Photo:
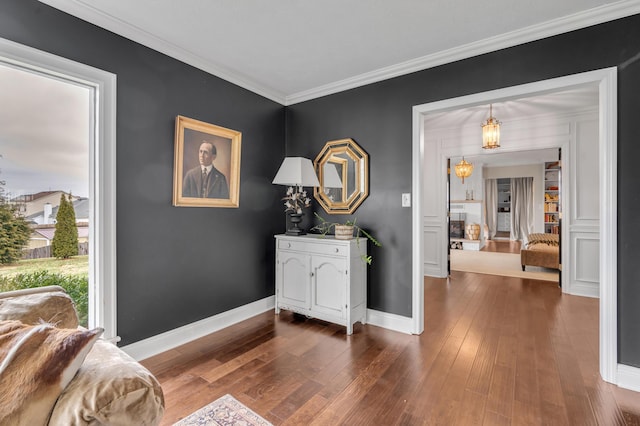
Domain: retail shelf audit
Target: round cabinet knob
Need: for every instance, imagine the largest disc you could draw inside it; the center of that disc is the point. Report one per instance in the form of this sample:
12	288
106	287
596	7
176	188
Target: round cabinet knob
337	250
288	245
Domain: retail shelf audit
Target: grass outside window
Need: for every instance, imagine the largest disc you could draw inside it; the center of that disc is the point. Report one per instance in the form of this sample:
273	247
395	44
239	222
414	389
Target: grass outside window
71	274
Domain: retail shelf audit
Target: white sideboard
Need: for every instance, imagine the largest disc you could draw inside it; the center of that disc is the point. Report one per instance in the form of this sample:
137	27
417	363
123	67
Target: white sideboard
504	222
321	277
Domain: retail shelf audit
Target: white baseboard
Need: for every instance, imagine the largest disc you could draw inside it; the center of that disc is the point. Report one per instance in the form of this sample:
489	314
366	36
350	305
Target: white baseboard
585	290
179	336
431	270
390	321
629	377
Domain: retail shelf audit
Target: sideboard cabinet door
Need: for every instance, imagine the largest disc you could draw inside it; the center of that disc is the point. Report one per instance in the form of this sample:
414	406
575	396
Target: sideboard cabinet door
328	285
293	286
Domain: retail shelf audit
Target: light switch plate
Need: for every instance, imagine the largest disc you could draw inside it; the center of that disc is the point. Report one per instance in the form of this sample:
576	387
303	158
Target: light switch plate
406	200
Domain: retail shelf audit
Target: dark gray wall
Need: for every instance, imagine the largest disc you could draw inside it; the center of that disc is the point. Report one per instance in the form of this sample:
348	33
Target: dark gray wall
176	265
162	283
378	117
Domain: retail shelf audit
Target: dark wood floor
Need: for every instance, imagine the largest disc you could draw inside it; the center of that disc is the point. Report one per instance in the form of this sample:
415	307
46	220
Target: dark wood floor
495	350
502	246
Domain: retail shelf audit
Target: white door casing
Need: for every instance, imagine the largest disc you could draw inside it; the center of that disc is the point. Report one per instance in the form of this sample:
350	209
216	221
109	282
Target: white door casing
430	220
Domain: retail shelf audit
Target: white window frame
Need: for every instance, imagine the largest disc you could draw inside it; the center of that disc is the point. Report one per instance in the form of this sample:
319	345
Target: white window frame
102	170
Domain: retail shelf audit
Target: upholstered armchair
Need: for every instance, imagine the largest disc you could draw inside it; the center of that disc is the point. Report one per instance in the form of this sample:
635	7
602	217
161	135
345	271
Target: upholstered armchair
57	373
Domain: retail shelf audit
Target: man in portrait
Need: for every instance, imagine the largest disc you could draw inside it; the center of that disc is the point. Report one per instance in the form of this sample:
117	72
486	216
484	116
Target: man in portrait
205	181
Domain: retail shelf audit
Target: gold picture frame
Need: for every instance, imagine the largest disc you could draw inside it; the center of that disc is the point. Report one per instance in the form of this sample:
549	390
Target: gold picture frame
201	145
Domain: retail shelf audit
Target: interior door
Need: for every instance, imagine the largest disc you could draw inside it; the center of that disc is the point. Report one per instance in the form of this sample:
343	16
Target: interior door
560	195
448	216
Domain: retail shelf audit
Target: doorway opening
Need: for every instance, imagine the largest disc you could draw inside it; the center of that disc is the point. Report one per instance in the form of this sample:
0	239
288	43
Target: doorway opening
430	216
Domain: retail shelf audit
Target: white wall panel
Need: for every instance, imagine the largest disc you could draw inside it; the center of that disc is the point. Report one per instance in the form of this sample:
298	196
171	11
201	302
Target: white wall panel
585	166
585	271
433	261
431	203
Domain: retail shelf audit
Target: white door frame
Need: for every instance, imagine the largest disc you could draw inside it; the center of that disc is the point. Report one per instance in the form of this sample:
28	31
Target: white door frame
606	79
102	170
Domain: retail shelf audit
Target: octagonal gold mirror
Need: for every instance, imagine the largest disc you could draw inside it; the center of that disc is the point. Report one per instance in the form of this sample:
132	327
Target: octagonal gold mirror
343	171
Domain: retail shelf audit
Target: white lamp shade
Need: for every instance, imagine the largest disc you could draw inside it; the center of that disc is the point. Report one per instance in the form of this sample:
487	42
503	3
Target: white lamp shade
296	171
330	177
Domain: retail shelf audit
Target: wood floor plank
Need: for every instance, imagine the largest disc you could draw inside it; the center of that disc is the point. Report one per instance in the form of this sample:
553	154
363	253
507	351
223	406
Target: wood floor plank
494	419
307	412
501	391
480	377
494	351
342	404
266	350
471	410
296	399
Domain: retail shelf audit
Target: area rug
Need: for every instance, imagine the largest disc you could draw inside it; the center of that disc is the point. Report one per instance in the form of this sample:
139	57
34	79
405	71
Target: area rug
504	264
224	411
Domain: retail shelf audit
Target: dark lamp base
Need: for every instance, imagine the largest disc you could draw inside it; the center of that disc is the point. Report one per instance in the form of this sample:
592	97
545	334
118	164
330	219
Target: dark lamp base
295	231
296	218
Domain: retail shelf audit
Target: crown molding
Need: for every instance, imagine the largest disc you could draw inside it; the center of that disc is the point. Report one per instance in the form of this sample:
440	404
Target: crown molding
597	15
554	27
80	9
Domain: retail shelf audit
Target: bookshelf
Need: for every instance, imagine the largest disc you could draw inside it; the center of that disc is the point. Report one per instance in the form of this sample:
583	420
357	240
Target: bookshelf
552	197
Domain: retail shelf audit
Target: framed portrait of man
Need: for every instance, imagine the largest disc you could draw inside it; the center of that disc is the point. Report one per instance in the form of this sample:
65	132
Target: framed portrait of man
206	169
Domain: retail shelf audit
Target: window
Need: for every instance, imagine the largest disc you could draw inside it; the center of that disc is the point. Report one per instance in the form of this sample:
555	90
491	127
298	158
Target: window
102	169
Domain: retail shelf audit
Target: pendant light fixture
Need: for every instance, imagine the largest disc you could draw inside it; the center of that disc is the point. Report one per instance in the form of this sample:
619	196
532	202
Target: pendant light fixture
463	169
491	131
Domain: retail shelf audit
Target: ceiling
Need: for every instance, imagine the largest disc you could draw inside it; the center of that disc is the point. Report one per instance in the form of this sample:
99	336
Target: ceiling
294	50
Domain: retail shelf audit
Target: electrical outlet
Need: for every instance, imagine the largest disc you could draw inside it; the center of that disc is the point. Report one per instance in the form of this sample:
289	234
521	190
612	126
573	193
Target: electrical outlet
406	200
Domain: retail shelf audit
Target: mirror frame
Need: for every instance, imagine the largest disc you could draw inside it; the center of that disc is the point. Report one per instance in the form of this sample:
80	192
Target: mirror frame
330	154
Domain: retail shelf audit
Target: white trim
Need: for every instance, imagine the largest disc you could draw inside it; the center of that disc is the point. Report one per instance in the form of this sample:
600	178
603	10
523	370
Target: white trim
597	15
607	80
417	244
584	290
163	342
97	17
629	377
390	321
102	170
608	225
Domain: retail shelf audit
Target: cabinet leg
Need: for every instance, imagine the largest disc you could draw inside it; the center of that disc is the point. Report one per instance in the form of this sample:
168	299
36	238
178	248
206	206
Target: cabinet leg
349	329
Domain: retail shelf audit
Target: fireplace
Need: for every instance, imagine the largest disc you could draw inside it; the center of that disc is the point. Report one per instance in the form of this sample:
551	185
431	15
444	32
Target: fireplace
456	225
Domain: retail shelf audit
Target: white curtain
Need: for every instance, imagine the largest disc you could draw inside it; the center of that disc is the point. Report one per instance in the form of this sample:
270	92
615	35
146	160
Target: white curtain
521	208
491	206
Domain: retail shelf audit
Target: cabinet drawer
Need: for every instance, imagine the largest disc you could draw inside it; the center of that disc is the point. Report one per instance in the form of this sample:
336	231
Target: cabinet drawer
310	247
